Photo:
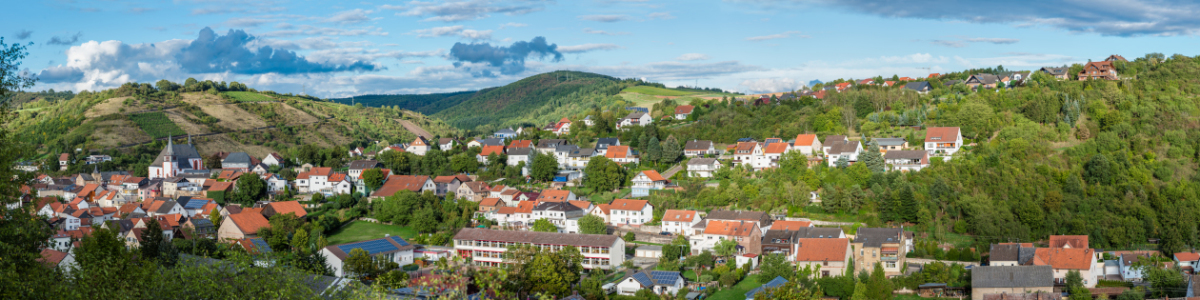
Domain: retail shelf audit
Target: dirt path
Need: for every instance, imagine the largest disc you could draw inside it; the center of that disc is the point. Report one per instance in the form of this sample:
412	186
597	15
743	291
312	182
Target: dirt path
415	129
671	172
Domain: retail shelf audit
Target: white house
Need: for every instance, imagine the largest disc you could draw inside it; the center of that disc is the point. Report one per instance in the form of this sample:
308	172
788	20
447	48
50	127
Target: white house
272	159
659	282
315	179
682	111
680	221
745	153
275	183
518	155
630	212
1188	261
621	154
419	146
1130	270
340	184
906	160
703	167
391	248
646	181
838	149
562	214
695	148
636	118
807	144
943	141
446	144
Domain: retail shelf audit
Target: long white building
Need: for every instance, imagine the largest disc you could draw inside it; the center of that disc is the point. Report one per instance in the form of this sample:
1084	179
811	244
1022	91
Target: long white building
486	247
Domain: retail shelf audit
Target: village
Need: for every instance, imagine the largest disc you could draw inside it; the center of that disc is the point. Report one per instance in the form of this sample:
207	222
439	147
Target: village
633	247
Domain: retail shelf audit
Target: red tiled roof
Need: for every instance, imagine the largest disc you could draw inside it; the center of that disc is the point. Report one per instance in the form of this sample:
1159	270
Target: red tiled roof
653	175
675	215
603	208
520	144
1187	256
945	134
64	157
933	75
822	249
776	148
526	207
732	228
249	222
617	152
554	195
507	210
488	150
627	204
338	177
221	186
283	207
684	109
395	183
1064	258
790	225
805	139
51	257
1074	241
581	204
489	202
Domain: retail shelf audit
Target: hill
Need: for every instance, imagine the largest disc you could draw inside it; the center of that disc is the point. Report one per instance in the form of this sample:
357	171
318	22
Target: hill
422	103
536	100
257	123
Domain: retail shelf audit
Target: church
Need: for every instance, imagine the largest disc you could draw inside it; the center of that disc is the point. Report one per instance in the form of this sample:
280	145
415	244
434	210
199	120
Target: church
176	159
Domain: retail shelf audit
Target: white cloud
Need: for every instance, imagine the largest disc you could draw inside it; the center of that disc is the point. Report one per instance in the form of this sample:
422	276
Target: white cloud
456	30
326	31
512	24
661	16
998	41
692	56
455	11
587	47
350	17
786	34
770	85
604	18
602	32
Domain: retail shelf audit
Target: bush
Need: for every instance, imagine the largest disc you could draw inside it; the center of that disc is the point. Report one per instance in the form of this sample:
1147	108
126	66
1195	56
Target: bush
410	268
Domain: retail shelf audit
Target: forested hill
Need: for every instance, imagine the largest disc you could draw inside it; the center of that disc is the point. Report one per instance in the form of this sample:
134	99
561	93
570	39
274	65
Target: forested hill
422	103
535	100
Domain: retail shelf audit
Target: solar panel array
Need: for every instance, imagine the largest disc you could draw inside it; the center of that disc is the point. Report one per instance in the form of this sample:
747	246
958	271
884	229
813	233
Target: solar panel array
372	247
398	240
195	204
261	245
641	278
665	277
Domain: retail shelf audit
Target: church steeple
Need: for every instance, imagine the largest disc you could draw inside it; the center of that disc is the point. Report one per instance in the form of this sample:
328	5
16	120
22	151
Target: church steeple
170	146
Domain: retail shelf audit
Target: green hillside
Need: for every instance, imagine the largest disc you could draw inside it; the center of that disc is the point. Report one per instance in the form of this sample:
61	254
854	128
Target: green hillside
422	103
536	100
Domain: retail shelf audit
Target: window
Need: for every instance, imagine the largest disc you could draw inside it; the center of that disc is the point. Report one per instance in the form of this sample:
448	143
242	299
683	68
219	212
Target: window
824	273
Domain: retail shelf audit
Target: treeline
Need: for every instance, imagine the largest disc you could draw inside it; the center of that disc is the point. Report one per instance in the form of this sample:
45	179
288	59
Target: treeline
422	103
519	102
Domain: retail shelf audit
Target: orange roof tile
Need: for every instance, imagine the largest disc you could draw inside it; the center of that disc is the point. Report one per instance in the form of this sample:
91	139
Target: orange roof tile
627	204
684	109
675	215
941	134
1074	241
805	139
1187	256
617	152
221	186
283	207
51	257
507	210
489	150
732	228
603	208
249	222
776	148
581	204
520	144
489	202
822	249
1064	258
653	175
554	195
396	183
526	207
339	177
790	225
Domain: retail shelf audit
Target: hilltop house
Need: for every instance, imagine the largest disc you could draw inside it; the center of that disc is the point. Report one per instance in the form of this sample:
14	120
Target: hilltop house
505	134
1103	70
836	150
636	118
647	181
808	144
696	148
943	140
906	160
1057	73
987	81
419	146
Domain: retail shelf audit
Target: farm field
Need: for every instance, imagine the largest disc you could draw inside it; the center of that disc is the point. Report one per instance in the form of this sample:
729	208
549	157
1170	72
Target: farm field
157	124
249	97
657	91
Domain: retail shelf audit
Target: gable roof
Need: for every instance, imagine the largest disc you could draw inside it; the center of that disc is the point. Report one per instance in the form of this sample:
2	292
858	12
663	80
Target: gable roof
697	145
249	222
805	140
51	257
1187	256
554	195
364	164
732	228
1012	276
520	144
627	204
810	249
391	244
653	175
776	148
684	109
1064	258
550	143
939	134
489	150
283	207
790	225
675	215
701	161
756	216
557	206
395	183
1073	241
918	86
489	202
618	152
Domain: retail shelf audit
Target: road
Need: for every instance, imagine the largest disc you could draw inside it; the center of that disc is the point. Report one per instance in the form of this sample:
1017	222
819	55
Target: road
671	172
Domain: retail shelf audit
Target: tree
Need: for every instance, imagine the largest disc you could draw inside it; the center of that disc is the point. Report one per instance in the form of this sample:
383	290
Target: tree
792	290
842	162
699	261
545	167
249	189
359	263
425	220
603	174
775	265
544	225
215	217
873	159
464	163
151	238
373	178
629	237
653	150
391	280
212	162
726	248
592	224
671	150
860	292
300	242
878	286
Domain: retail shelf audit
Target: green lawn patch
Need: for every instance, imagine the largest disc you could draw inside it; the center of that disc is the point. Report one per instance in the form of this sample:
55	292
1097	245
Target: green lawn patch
362	230
157	125
657	91
248	97
738	291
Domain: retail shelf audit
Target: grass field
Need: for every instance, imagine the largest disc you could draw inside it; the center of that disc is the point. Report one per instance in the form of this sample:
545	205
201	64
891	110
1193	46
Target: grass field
738	291
248	97
157	124
361	231
657	91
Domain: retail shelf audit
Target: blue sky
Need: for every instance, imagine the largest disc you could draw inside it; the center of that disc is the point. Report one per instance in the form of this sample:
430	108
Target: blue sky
334	48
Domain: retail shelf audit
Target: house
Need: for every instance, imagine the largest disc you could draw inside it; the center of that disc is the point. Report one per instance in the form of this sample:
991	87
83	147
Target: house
357	167
808	144
520	144
564	215
630	212
579	158
695	148
316	179
845	149
156	208
680	221
602	145
987	81
64	160
273	159
446	184
474	191
745	153
648	251
339	183
98	158
1188	261
636	118
242	225
867	81
516	156
488	205
388	249
396	183
240	161
1069	241
906	160
556	196
747	234
1131	267
486	247
842	86
547	146
488	151
56	259
774	283
1103	70
647	181
1114	57
1011	254
943	141
828	256
1064	260
992	280
505	134
621	154
886	144
284	207
562	127
1057	73
703	167
682	111
275	183
884	246
199	227
919	86
485	142
175	159
419	146
771	155
933	75
762	219
783	241
658	282
447	144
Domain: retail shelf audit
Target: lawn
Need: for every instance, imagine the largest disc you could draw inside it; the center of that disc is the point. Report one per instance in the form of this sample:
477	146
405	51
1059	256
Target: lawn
739	290
248	97
657	91
362	230
157	125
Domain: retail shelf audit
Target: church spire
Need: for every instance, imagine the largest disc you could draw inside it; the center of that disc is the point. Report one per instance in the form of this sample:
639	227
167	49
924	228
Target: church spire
189	139
170	146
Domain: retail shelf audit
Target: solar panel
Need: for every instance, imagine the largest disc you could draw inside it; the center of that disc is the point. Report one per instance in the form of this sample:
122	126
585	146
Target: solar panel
261	245
195	204
665	277
399	240
372	247
641	278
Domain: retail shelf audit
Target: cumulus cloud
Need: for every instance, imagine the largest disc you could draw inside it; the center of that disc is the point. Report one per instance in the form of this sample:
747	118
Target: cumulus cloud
456	30
770	85
1111	18
325	31
64	41
587	47
454	11
509	60
962	42
604	18
602	32
350	17
94	65
22	34
692	56
786	34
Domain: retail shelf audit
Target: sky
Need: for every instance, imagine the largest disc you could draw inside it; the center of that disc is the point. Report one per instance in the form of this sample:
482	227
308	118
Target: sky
344	48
